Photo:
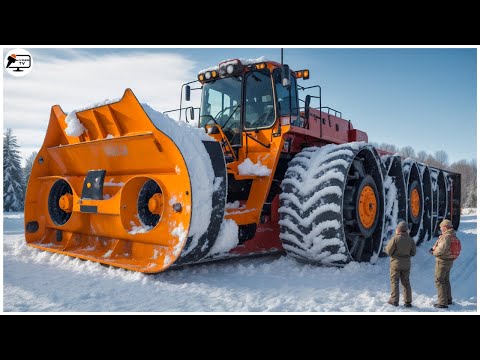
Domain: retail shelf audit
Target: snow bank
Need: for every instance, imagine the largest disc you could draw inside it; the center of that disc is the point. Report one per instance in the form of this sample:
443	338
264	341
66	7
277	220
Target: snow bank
247	167
36	280
227	238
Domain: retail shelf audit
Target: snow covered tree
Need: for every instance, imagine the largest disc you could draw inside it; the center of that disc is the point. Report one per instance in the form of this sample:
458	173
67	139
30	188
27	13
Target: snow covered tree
13	181
468	170
407	151
441	157
28	167
422	156
388	147
430	160
471	197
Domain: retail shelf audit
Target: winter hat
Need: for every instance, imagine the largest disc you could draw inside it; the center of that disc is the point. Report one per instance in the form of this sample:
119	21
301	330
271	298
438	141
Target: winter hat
446	223
402	226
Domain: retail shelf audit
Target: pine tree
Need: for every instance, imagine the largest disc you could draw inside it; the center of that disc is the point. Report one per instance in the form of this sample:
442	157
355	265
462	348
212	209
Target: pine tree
28	166
13	181
471	200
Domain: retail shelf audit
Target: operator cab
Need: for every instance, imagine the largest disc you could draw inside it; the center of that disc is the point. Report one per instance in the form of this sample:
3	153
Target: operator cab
246	98
221	105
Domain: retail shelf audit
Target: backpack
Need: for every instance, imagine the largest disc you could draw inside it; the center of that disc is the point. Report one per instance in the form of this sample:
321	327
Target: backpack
455	247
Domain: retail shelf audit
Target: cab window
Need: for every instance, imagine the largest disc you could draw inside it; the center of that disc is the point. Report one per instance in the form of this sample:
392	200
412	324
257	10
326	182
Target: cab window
282	93
259	104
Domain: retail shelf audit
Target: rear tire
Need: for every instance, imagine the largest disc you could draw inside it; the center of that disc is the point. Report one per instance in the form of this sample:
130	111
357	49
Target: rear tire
332	205
425	232
415	198
395	195
440	200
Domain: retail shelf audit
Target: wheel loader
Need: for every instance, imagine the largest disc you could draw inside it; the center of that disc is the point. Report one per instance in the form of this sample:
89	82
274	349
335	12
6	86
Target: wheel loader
264	171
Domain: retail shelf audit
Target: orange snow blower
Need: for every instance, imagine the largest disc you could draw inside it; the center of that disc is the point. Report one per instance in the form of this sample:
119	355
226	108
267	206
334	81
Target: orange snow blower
264	171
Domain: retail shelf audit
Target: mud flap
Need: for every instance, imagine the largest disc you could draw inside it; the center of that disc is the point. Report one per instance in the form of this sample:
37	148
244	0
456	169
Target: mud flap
207	240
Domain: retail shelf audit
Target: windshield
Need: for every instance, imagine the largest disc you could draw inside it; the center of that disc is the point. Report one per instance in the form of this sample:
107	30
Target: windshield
259	109
221	102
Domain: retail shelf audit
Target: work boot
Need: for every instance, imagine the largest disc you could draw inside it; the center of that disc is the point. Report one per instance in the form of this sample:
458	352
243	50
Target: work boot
440	306
408	305
450	302
391	302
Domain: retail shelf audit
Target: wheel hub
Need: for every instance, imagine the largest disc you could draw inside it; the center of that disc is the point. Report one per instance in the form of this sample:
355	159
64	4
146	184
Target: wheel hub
66	202
415	203
367	206
155	204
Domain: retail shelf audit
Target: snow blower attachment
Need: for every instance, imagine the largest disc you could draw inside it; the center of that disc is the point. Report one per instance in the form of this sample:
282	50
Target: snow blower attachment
124	185
120	193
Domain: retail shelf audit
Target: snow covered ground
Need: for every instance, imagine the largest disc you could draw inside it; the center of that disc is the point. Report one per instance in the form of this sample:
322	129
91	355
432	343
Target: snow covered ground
40	281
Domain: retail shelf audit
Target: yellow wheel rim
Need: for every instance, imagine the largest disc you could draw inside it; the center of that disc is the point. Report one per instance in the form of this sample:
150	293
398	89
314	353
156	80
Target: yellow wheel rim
367	207
415	203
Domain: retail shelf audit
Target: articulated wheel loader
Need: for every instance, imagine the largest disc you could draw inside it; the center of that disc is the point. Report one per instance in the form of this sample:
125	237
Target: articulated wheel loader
263	172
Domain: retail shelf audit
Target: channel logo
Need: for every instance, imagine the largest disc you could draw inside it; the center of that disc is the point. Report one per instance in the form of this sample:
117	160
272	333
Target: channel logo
18	62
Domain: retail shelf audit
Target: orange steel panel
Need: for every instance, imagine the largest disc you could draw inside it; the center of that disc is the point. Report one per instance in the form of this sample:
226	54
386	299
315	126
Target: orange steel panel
137	153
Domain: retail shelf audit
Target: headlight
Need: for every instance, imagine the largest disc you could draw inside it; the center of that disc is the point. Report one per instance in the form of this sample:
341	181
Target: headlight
230	67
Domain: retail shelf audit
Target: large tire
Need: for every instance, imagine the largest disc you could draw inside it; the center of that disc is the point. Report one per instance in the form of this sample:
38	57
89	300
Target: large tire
323	194
415	200
425	232
395	196
440	199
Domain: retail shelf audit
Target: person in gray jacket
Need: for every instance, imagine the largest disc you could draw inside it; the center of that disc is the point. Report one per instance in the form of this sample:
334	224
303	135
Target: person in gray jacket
400	248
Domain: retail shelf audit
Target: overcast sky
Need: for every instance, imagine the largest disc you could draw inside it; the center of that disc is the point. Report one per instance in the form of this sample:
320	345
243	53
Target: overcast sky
425	98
